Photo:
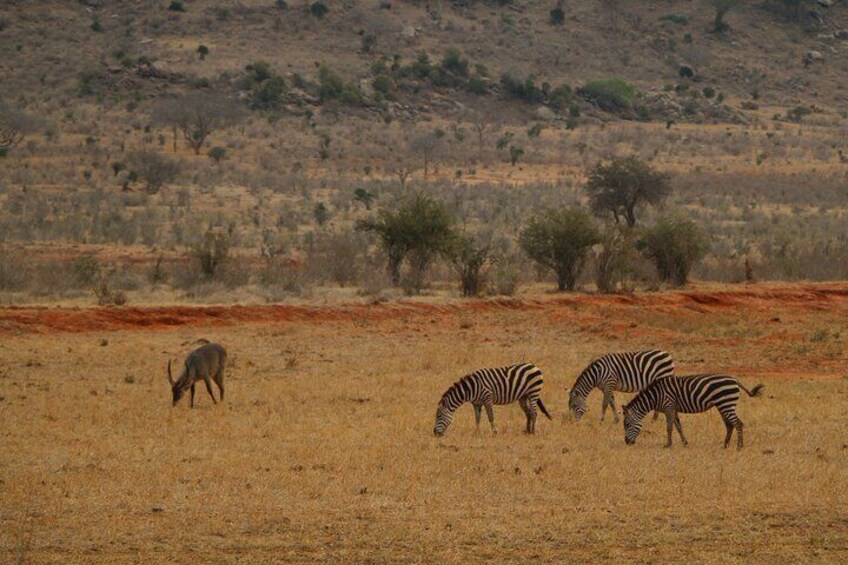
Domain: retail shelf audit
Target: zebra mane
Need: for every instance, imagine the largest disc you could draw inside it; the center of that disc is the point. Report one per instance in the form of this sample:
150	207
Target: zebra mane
455	391
587	379
646	400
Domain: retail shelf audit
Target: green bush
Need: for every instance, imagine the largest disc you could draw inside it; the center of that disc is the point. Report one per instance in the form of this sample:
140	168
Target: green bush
611	94
318	9
674	246
560	97
559	240
678	19
176	6
556	16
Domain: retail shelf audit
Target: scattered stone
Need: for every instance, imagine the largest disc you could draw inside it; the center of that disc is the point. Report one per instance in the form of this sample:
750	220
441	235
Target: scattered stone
841	34
544	113
811	57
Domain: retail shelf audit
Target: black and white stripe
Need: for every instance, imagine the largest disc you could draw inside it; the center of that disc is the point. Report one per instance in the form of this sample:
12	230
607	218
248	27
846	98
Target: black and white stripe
687	395
486	387
624	372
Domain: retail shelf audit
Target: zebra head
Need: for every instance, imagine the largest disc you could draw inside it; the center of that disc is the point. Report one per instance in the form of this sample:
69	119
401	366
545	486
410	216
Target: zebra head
632	425
576	404
444	417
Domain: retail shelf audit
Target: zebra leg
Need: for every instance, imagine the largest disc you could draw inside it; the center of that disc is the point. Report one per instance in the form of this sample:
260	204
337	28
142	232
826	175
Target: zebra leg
739	427
612	405
477	417
680	430
531	415
731	422
491	414
604	403
670	416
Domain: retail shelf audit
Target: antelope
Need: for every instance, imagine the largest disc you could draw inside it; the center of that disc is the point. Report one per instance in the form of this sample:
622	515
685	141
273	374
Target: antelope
205	362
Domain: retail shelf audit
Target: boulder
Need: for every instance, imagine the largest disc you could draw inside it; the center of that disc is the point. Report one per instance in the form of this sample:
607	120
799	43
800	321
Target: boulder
841	34
544	113
812	57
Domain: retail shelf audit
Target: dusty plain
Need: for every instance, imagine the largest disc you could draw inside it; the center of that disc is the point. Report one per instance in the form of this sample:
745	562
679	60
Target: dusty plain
323	448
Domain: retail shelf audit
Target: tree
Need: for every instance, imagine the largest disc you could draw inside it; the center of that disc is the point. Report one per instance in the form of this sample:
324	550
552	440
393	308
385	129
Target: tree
426	144
14	125
674	246
468	258
514	154
722	7
416	231
154	169
365	196
213	249
623	185
559	240
197	115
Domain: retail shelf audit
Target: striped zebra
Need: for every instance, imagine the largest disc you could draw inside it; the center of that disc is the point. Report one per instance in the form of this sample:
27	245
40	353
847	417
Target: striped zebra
624	372
688	395
485	387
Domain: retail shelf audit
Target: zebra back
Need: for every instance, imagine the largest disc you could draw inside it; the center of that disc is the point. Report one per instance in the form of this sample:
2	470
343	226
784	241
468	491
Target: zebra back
503	384
629	372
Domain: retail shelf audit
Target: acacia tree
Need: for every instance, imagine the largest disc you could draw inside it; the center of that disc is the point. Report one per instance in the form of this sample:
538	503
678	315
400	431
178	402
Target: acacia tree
560	239
196	115
427	144
623	185
416	232
674	246
154	169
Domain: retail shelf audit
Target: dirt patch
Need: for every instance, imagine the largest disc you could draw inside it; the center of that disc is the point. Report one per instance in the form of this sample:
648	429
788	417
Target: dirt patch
588	308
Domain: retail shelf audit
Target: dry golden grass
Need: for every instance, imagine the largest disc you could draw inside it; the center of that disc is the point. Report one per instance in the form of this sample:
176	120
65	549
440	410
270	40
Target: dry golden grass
323	449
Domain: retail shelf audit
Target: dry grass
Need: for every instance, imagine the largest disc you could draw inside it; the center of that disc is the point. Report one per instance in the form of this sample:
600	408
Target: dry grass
332	457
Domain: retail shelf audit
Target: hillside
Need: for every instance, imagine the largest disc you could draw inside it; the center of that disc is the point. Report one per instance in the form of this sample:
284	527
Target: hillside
489	107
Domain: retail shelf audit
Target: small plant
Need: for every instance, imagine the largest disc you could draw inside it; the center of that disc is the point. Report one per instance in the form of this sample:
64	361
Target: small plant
176	6
612	94
217	154
708	92
96	26
202	51
677	19
318	9
321	213
797	114
556	17
368	42
515	153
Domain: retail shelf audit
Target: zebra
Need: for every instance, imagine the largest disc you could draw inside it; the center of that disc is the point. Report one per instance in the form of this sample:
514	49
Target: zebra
688	395
486	387
625	372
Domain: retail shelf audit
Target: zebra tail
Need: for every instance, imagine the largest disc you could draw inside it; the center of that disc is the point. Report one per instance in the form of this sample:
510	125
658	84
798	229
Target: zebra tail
754	391
543	409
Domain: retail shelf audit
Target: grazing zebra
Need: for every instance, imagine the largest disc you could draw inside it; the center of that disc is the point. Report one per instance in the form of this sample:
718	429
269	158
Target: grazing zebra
687	395
486	387
624	372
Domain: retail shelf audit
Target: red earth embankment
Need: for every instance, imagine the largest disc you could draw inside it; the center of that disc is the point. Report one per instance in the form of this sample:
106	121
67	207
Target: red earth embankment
753	298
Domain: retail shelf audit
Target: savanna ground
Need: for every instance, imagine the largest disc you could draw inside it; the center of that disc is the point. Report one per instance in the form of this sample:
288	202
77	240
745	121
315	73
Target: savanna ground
323	449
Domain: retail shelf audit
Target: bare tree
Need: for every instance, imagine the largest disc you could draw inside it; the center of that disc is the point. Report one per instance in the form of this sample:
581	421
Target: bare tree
14	125
402	172
480	128
196	115
426	144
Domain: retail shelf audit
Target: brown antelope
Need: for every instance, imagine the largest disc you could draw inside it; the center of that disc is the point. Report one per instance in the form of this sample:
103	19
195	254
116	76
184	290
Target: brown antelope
206	362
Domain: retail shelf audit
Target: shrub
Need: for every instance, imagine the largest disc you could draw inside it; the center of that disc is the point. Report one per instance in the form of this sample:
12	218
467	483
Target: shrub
385	85
453	62
217	154
674	246
613	259
560	97
797	113
468	258
86	270
708	92
212	250
559	240
202	51
155	169
176	6
612	94
515	153
522	89
415	232
318	9
556	16
678	19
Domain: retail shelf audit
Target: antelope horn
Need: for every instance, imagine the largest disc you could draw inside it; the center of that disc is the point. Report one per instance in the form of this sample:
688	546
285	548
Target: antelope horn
170	378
